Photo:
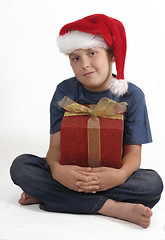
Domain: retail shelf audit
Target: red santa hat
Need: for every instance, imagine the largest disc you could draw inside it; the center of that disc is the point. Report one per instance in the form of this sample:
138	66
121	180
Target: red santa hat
98	30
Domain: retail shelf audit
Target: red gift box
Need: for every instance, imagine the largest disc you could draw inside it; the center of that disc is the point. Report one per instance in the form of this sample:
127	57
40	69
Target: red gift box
78	148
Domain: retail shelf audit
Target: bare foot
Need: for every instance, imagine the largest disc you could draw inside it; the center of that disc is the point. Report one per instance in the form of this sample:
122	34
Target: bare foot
27	199
135	213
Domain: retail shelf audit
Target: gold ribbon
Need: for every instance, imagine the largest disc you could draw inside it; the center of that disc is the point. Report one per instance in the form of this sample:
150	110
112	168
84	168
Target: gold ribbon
105	108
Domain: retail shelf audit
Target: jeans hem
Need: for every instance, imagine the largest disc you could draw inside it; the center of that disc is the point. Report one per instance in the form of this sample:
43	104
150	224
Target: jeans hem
99	204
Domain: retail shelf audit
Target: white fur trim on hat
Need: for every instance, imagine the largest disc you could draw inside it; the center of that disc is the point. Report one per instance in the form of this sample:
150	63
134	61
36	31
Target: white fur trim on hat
118	86
75	40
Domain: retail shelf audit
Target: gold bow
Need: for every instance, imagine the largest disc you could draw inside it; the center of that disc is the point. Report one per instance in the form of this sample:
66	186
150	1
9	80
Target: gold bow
105	108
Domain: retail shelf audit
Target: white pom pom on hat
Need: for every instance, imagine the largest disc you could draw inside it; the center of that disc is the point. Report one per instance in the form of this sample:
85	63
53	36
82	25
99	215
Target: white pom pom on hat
98	30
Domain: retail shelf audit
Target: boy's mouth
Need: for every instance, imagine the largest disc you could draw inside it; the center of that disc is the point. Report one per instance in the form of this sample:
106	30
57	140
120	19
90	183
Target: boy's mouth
88	74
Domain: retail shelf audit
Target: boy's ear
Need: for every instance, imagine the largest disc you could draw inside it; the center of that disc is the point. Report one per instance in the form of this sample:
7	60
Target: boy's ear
113	58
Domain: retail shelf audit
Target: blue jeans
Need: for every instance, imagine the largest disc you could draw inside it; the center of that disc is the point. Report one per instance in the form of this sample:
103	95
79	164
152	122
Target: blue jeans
33	175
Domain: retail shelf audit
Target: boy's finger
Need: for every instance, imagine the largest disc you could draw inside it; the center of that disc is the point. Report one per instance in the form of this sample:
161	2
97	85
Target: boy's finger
98	169
85	169
91	183
87	173
85	177
88	189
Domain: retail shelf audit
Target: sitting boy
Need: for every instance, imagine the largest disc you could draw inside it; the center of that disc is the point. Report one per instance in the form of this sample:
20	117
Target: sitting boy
93	44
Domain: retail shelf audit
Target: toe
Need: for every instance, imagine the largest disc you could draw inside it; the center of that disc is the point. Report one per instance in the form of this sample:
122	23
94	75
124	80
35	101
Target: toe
147	212
146	223
25	199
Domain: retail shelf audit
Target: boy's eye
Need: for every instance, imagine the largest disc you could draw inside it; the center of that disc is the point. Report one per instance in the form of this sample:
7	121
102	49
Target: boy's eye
92	53
75	59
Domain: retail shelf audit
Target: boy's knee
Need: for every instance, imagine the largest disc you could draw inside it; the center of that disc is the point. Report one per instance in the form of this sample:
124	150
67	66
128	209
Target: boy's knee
148	183
155	183
16	169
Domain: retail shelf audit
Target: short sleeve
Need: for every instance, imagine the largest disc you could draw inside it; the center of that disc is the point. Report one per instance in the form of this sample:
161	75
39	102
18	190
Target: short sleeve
136	126
65	88
56	112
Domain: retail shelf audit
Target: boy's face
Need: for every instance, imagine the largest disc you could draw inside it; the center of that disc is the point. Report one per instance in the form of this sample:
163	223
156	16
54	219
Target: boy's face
92	68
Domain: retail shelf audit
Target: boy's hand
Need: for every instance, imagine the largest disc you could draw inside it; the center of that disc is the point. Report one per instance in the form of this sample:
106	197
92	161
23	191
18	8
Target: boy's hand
107	178
70	176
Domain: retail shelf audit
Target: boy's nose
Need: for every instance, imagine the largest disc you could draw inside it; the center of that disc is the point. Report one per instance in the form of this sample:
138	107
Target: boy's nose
85	64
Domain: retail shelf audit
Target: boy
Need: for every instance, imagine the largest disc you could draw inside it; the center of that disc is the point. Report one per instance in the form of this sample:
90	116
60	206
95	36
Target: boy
93	44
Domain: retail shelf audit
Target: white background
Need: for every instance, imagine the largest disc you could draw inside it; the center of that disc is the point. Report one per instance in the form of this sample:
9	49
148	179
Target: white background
30	69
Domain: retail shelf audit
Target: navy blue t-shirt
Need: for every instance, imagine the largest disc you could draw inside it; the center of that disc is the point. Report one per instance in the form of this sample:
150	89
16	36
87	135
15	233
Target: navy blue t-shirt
136	123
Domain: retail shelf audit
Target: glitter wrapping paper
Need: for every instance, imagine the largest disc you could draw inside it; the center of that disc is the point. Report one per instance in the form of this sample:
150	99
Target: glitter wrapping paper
74	141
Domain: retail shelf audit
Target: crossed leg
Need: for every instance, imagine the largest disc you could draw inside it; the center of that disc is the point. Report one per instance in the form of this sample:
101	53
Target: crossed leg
135	213
36	184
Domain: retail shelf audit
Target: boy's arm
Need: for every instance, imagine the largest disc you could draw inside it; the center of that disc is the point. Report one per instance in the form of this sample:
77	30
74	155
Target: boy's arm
67	175
131	160
111	177
53	155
